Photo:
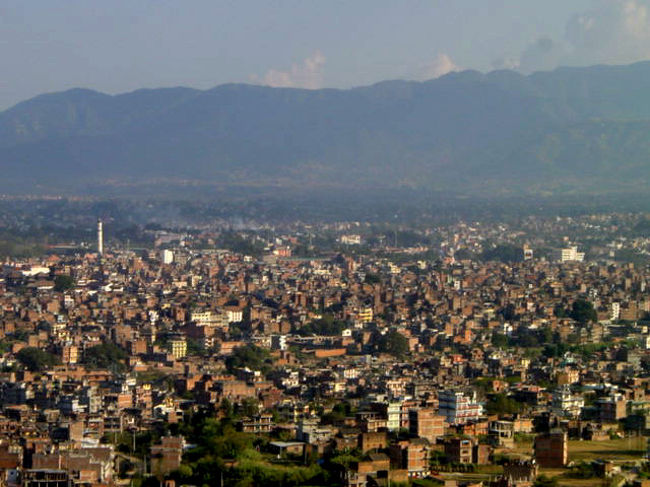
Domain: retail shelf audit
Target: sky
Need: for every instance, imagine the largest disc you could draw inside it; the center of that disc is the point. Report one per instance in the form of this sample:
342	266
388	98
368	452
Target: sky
121	45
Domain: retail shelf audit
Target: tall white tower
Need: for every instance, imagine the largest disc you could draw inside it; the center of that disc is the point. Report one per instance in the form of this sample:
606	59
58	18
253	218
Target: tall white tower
100	237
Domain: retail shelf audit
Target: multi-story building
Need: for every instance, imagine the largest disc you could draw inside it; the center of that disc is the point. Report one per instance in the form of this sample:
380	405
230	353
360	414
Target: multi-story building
458	407
365	315
502	433
551	449
260	423
425	423
70	354
571	254
466	450
46	478
178	347
612	408
166	456
411	455
392	412
278	342
565	403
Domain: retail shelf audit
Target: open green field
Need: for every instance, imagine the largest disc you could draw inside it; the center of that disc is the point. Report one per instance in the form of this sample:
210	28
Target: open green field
623	449
619	451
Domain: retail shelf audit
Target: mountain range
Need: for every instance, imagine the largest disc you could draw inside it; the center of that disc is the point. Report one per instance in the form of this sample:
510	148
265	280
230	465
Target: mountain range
571	130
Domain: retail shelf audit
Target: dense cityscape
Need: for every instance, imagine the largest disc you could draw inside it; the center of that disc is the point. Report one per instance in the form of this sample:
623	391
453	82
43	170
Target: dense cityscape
300	243
509	353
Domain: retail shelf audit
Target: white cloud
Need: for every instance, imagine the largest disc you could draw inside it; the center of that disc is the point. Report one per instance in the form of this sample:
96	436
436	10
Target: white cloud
543	54
440	66
610	32
308	74
506	63
613	31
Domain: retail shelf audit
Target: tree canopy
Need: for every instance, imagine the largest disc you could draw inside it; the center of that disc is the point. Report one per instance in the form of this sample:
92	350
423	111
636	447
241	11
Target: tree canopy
583	311
217	441
251	356
105	356
504	253
393	343
327	326
36	360
502	404
63	282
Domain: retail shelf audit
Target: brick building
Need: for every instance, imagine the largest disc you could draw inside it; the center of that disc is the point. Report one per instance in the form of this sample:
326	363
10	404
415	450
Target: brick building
551	449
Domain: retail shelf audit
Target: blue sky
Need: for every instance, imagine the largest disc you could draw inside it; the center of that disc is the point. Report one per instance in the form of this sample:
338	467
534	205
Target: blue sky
121	45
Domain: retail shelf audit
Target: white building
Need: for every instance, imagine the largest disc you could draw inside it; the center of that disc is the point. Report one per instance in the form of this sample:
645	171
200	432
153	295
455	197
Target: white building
528	252
350	239
394	416
567	404
205	317
167	256
571	254
235	315
35	270
278	342
458	407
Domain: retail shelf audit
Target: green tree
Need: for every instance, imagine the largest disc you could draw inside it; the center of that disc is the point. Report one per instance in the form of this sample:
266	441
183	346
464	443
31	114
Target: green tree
249	406
583	311
227	408
195	348
502	404
559	311
505	253
393	343
326	326
105	356
251	356
499	340
372	278
63	282
36	360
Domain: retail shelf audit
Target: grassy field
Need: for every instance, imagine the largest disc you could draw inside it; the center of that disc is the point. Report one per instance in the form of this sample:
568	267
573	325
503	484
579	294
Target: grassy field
619	451
623	449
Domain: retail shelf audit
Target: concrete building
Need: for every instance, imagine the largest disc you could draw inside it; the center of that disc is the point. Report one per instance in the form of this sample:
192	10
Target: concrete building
167	257
278	342
178	347
46	478
502	433
565	403
458	407
612	408
571	254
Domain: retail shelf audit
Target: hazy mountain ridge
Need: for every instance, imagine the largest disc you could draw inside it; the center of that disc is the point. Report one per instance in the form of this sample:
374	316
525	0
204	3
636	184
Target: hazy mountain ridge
587	127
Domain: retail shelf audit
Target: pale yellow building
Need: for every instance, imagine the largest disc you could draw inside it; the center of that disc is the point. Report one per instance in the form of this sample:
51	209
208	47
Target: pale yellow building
179	348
